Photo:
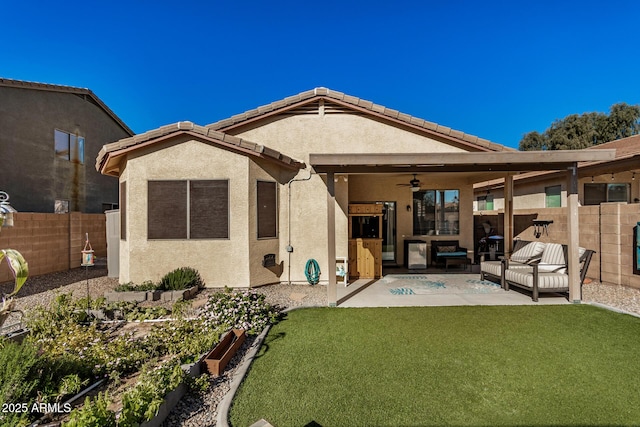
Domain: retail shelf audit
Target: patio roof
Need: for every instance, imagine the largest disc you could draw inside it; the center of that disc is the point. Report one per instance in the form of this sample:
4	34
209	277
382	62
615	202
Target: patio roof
519	161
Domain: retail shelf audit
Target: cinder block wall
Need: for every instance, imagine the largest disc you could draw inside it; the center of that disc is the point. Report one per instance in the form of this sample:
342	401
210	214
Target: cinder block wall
617	224
606	229
52	242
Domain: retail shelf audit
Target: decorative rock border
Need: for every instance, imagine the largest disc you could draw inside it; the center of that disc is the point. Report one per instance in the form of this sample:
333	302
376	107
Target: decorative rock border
141	296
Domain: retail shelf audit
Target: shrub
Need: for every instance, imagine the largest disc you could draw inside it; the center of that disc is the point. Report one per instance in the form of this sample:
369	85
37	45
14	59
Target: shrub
18	382
141	403
94	413
181	278
147	285
240	309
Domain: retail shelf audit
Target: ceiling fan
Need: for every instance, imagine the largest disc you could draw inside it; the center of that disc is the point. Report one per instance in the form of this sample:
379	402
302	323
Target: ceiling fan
414	184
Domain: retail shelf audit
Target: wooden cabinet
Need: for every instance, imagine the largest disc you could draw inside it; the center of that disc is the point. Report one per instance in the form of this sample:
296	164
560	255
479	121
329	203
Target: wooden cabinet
365	209
365	242
365	258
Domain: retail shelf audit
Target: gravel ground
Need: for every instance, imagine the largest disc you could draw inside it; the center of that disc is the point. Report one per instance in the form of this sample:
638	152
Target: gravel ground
196	410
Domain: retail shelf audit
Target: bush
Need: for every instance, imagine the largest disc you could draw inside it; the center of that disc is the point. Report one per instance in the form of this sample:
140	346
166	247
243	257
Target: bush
18	380
240	309
147	285
94	413
181	278
141	403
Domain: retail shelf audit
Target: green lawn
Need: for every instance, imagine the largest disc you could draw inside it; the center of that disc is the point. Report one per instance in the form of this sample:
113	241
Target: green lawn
572	365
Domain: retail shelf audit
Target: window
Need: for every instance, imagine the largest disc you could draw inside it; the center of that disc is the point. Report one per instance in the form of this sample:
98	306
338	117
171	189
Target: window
267	209
123	210
597	193
485	203
188	209
61	206
69	146
552	197
436	212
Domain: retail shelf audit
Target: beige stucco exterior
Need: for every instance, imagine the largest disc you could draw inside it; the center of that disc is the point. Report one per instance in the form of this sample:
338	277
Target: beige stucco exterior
530	193
221	262
326	150
298	136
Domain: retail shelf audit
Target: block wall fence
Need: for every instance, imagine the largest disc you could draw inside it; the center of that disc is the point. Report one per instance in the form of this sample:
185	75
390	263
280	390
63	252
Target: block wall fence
606	229
52	242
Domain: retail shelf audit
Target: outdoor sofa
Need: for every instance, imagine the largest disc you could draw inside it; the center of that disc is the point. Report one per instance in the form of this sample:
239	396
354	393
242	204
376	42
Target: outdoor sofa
441	250
549	274
525	253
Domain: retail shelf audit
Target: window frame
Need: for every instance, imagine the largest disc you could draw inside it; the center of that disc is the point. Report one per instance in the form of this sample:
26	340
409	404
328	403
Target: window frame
485	201
275	210
185	216
603	190
439	228
73	149
123	210
552	197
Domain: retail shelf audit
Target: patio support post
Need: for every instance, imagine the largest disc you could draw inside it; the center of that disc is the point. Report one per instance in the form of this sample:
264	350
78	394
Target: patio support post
332	288
575	291
508	214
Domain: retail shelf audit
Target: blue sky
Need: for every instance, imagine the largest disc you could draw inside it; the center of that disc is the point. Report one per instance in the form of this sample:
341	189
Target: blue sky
494	69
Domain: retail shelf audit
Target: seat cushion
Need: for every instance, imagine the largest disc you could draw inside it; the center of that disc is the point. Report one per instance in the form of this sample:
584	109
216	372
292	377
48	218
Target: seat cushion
546	280
529	253
452	254
495	267
553	259
491	267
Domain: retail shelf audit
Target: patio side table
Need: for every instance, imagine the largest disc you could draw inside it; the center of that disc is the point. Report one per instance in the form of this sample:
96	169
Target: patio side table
464	261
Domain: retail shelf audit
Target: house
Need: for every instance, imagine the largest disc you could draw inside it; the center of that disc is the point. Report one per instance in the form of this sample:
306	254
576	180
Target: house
609	195
48	136
320	176
598	182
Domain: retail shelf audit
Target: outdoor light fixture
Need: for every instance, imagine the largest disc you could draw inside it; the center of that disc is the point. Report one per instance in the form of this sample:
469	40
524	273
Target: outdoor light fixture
612	177
540	226
592	179
633	176
6	210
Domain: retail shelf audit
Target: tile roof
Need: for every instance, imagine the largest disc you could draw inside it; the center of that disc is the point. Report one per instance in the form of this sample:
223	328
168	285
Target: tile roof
119	147
360	104
66	89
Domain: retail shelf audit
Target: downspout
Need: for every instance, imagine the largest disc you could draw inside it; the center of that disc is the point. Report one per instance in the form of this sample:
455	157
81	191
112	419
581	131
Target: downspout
289	247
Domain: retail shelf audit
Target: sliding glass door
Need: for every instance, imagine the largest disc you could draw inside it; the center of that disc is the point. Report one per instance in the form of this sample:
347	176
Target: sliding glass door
389	237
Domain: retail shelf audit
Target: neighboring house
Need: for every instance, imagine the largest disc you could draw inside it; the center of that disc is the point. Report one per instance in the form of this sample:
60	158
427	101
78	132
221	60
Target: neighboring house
616	180
249	200
49	136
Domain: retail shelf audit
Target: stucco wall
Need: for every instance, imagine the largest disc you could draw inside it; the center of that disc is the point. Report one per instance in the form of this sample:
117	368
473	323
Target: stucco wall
384	188
258	248
531	194
31	173
223	262
298	136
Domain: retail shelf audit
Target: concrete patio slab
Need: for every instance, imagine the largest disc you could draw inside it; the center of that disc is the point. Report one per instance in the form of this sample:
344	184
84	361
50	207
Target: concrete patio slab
377	294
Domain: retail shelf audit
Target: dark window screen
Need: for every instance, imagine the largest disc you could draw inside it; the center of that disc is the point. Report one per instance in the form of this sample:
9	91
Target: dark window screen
267	210
209	209
167	210
123	210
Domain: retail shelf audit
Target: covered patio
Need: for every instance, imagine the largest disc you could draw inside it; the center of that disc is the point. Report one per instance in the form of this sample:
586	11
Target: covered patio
473	167
434	289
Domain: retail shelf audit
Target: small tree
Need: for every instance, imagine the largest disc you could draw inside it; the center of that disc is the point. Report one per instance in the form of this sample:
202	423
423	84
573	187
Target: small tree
20	270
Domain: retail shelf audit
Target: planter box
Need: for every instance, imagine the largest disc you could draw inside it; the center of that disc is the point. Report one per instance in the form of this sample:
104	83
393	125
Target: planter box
170	401
137	296
219	357
180	295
